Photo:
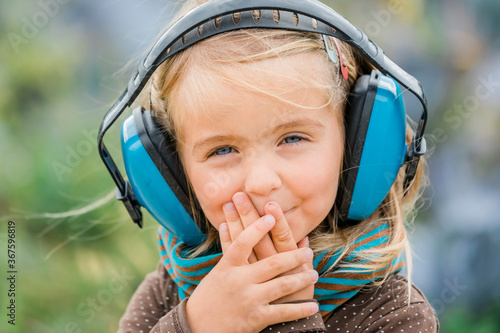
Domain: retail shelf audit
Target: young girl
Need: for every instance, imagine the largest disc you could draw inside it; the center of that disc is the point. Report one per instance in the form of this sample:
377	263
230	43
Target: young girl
258	118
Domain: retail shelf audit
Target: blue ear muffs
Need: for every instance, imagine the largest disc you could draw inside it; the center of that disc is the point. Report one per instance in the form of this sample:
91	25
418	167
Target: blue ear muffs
375	146
155	174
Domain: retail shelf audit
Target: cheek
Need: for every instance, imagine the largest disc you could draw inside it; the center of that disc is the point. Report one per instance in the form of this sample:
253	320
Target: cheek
320	190
318	185
212	189
323	167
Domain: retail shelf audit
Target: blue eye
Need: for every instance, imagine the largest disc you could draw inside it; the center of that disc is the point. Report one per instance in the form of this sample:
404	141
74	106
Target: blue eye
223	151
292	139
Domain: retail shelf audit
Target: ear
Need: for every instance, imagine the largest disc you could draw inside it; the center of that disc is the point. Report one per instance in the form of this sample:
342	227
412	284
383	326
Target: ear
375	146
156	175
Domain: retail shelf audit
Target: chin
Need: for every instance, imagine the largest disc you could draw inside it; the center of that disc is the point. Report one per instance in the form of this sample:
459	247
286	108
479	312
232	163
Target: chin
298	233
300	229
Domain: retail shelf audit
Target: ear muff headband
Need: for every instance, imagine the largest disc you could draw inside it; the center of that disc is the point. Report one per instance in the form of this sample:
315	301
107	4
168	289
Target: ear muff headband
215	17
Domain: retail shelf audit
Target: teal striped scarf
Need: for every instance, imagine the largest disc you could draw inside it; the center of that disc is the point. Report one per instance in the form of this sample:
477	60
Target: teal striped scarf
334	287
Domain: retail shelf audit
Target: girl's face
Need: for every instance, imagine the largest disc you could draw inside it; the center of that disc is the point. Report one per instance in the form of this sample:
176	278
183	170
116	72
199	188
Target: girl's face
268	148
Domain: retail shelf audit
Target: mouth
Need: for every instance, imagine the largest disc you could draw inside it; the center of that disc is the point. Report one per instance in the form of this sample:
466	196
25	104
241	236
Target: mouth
285	212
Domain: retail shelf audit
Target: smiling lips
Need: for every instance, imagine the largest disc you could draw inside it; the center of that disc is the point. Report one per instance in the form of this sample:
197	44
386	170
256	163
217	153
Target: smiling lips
285	211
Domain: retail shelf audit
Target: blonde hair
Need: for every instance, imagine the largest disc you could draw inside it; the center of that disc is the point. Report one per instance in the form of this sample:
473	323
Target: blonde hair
180	86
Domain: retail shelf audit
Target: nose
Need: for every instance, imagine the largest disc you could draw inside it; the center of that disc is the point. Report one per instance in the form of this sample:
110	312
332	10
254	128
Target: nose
262	176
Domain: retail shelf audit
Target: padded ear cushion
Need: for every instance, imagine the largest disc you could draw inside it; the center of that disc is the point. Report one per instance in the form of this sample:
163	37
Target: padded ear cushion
161	147
156	177
357	118
375	146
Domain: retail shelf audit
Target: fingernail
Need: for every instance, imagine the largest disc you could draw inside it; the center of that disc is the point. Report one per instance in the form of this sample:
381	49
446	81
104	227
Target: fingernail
271	206
223	227
309	253
239	198
314	308
228	206
269	219
314	275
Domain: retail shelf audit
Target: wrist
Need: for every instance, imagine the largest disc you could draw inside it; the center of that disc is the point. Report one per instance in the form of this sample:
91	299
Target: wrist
192	317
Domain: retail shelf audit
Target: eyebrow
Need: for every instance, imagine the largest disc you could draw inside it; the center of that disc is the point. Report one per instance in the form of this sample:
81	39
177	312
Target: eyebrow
214	140
306	123
303	123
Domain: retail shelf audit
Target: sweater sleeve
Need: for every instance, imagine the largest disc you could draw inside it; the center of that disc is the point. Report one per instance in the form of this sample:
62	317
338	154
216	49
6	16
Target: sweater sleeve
312	324
155	307
174	322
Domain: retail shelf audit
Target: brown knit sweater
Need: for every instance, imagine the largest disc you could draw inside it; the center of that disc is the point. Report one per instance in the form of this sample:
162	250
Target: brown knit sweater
156	307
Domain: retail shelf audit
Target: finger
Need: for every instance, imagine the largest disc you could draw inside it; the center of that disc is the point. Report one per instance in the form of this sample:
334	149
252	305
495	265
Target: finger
280	313
281	233
304	242
271	267
235	225
248	215
233	219
288	284
225	237
241	247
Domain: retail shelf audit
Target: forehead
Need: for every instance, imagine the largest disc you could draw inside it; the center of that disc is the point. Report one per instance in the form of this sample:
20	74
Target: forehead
208	89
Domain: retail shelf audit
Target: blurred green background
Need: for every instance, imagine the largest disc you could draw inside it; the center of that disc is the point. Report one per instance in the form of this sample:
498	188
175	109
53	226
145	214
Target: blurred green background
62	65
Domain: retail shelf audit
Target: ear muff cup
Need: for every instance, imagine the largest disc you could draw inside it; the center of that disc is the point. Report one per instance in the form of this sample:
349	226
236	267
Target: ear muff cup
375	146
156	176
